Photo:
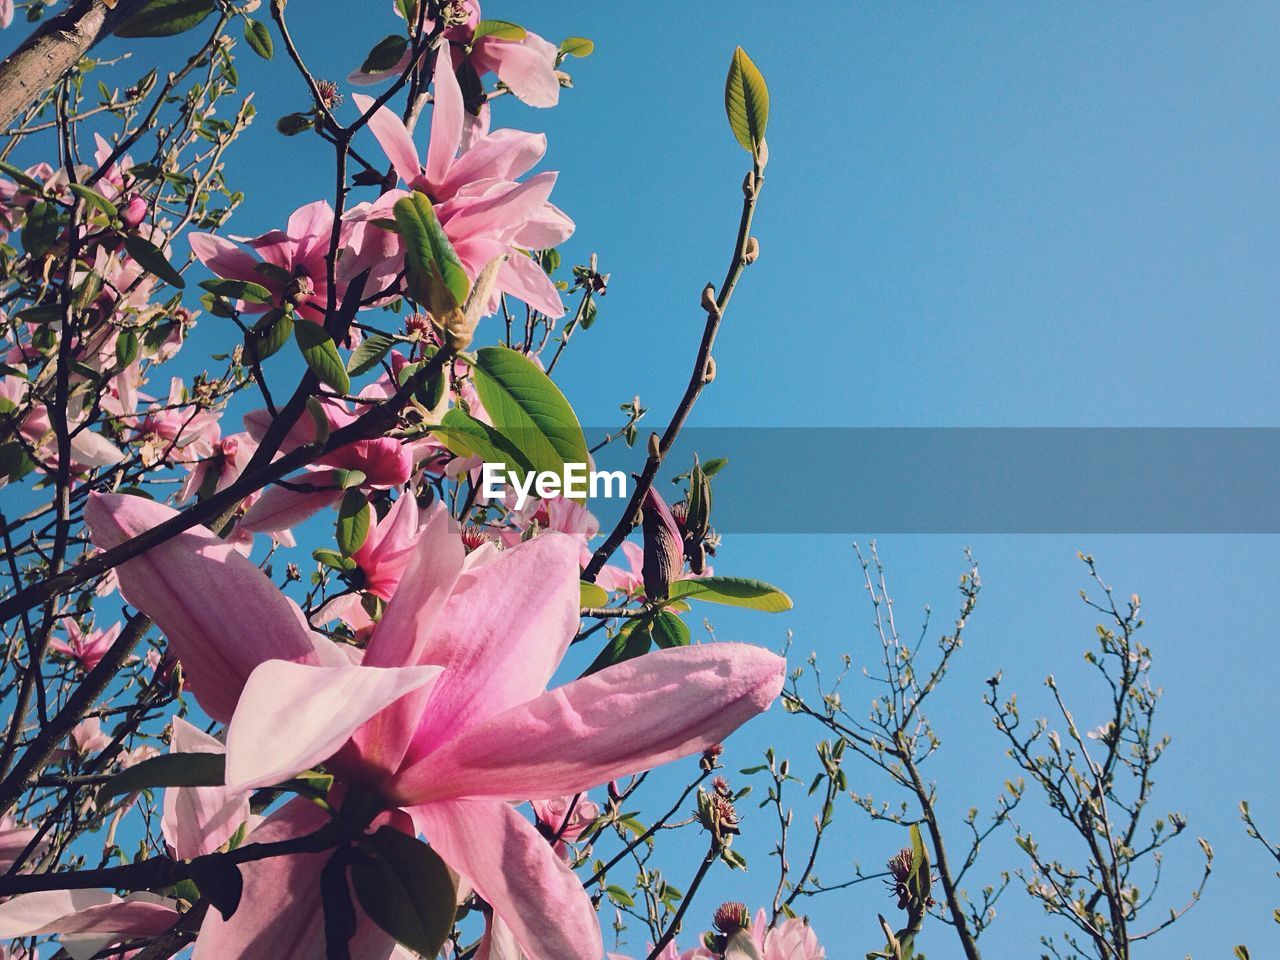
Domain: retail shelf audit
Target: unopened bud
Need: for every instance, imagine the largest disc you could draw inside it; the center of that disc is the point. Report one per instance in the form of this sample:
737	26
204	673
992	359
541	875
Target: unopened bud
751	253
709	300
709	374
762	154
663	547
133	212
749	184
655	446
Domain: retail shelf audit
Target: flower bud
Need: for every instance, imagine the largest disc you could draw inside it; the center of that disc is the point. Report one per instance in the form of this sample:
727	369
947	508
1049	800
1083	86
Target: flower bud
133	212
751	253
709	300
663	547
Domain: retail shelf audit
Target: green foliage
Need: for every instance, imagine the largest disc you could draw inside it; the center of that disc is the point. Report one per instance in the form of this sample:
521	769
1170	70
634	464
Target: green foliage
746	101
354	518
528	409
164	18
258	37
152	259
168	770
499	30
321	355
406	889
733	592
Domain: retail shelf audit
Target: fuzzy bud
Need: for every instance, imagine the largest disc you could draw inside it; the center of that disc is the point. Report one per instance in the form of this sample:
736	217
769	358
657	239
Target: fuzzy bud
709	300
751	253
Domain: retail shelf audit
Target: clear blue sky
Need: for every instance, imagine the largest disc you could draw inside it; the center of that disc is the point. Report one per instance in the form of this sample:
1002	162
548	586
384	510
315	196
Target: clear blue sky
975	215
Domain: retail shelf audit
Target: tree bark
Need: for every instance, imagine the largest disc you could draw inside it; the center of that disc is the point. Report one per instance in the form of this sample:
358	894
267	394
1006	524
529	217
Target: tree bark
55	47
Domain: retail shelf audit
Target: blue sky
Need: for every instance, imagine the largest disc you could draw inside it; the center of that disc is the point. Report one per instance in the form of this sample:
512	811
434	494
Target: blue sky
975	215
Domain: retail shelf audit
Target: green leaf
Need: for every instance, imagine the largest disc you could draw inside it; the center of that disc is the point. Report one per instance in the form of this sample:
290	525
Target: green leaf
714	466
499	30
633	640
272	331
366	356
152	260
126	348
164	18
292	124
354	515
746	101
321	354
40	232
733	592
1241	952
333	560
426	245
465	436
386	53
258	37
14	462
168	770
406	889
245	290
589	595
528	409
577	47
669	631
94	199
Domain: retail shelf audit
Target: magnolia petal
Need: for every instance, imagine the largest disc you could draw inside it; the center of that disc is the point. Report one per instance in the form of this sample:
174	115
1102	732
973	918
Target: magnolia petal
502	155
447	116
30	913
222	615
394	138
629	717
280	508
525	280
199	820
501	636
292	716
528	68
223	257
513	867
402	635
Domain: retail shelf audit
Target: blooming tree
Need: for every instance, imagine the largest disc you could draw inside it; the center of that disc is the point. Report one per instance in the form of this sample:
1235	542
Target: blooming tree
377	752
284	679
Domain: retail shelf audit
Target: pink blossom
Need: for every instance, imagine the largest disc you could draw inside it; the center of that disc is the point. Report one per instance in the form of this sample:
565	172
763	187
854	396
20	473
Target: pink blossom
485	212
6	13
223	466
447	718
527	66
177	431
88	737
85	649
792	939
565	819
384	461
290	262
91	920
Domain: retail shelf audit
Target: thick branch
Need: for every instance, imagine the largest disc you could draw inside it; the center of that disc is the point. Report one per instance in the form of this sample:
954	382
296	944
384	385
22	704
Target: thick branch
53	49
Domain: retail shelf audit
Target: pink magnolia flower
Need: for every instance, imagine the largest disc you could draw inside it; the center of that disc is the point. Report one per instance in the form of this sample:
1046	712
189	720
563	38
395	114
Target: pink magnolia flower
447	719
792	939
6	13
85	649
88	921
88	737
484	211
527	66
564	820
384	461
223	466
628	579
290	262
177	431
